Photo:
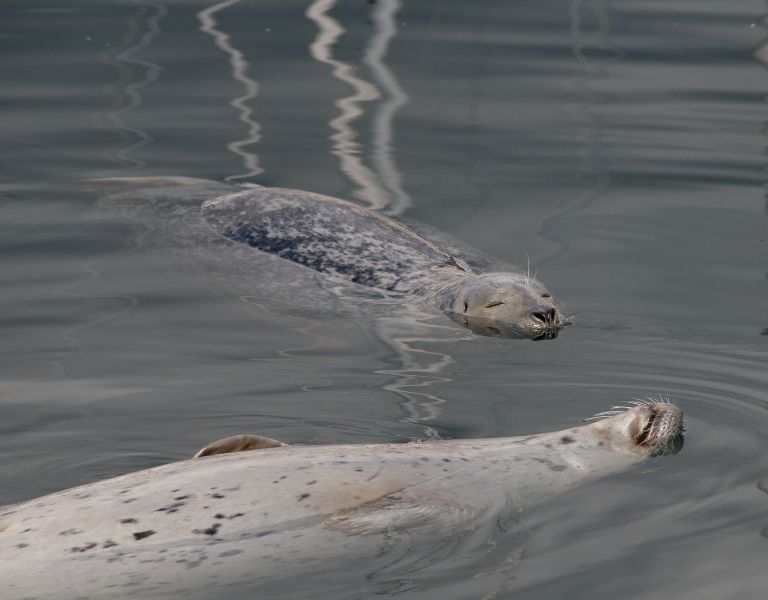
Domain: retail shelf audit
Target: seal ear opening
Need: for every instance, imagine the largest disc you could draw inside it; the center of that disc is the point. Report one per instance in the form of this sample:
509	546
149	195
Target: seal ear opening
238	443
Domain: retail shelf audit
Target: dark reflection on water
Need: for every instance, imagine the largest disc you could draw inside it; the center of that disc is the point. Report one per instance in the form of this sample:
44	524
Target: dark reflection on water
617	145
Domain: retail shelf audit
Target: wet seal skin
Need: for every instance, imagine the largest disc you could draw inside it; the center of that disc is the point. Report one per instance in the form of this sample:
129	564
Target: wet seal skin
347	241
250	509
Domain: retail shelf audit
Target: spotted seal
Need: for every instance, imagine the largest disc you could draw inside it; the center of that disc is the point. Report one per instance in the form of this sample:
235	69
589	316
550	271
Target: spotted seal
245	518
362	246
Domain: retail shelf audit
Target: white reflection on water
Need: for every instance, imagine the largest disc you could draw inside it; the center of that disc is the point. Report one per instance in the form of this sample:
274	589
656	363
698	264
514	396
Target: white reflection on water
239	65
372	185
142	27
416	341
385	28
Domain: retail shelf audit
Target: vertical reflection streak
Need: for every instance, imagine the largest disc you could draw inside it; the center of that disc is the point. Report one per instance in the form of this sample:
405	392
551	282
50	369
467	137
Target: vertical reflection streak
384	22
239	66
123	59
345	146
421	369
590	69
761	55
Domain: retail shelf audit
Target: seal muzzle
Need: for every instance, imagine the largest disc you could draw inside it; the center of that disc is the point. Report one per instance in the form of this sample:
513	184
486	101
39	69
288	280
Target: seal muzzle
662	430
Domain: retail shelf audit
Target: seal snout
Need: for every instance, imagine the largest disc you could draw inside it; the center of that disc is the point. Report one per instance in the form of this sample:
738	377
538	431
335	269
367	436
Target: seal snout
662	430
547	321
545	315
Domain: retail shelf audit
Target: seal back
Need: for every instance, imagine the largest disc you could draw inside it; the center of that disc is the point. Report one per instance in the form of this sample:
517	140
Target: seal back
328	235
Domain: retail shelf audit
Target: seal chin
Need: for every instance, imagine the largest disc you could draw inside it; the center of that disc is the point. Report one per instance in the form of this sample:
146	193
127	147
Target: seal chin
525	329
506	330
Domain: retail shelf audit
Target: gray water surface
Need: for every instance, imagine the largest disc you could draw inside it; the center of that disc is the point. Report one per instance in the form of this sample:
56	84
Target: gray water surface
616	147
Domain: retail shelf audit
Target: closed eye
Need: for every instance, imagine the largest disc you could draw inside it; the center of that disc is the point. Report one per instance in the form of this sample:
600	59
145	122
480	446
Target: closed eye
492	304
546	295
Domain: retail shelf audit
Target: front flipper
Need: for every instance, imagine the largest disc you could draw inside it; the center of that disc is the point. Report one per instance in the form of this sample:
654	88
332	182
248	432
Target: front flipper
238	443
401	511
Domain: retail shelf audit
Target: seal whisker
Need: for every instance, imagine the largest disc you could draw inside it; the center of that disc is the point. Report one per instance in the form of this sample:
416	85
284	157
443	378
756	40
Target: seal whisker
528	270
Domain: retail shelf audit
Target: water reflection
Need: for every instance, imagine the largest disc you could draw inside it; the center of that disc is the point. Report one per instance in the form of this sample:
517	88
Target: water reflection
142	26
761	54
385	28
422	363
593	51
346	147
239	72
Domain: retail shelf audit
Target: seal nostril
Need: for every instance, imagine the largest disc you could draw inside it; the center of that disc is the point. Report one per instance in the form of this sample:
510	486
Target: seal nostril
546	315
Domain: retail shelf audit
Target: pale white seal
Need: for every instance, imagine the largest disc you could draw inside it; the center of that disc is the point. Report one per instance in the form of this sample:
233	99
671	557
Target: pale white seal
241	519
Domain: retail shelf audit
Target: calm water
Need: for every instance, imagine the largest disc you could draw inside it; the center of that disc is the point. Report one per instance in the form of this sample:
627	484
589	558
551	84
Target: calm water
617	146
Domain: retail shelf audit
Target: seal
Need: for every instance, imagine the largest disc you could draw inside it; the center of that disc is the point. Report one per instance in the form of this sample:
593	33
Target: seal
241	520
361	246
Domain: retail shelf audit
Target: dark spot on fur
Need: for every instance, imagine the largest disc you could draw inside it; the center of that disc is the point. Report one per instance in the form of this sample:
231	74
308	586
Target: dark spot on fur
181	497
129	520
263	533
84	547
21	546
223	516
70	531
172	508
567	439
109	544
313	482
217	495
446	460
140	535
304	496
208	531
359	470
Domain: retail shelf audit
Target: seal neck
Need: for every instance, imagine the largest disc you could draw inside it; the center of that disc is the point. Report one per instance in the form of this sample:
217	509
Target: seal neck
438	285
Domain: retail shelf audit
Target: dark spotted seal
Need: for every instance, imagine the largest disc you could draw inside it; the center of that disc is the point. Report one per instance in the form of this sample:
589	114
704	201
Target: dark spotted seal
342	239
245	519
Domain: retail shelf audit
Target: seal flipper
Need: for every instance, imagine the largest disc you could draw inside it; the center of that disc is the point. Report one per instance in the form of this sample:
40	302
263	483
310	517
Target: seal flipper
397	511
238	443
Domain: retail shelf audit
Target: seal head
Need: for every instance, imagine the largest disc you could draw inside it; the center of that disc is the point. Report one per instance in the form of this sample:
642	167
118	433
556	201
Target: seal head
505	304
652	427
